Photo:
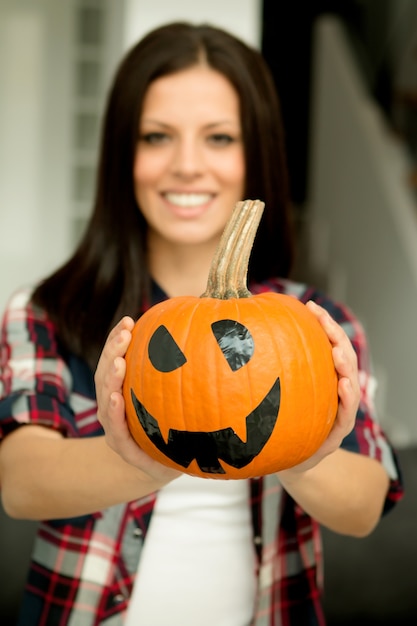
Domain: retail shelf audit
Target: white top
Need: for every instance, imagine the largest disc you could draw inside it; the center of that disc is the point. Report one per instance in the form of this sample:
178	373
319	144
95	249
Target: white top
198	563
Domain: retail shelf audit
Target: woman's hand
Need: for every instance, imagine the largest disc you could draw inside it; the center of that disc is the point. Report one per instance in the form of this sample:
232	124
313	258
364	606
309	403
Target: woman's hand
109	379
346	366
342	490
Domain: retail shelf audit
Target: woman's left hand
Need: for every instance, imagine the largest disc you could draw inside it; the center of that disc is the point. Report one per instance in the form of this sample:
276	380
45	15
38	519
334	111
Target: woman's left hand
346	365
342	490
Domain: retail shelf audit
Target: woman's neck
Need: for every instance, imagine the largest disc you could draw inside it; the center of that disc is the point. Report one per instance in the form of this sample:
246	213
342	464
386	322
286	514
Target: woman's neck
182	270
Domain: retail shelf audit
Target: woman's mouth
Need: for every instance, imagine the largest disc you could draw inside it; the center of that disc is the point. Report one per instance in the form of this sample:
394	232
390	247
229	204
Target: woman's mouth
188	200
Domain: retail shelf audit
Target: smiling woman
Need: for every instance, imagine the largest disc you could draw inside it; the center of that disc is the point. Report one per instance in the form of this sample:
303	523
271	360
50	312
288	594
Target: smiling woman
192	126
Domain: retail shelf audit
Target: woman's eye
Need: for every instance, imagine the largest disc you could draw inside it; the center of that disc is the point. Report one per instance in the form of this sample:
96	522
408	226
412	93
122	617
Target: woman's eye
153	139
221	139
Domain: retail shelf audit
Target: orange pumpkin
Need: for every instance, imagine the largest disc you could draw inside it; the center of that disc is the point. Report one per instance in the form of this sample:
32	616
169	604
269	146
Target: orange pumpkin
230	385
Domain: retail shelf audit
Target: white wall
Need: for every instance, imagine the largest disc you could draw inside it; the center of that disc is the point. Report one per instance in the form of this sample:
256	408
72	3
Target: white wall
20	129
34	96
363	224
242	17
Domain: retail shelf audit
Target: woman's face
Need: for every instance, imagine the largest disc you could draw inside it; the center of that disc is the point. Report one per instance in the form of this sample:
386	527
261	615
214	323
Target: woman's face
189	167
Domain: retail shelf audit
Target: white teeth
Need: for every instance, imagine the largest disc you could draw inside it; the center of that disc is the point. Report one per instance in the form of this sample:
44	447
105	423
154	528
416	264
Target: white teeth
188	199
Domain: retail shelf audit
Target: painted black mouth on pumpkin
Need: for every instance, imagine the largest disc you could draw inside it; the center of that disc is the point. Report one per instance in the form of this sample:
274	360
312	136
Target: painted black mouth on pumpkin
208	448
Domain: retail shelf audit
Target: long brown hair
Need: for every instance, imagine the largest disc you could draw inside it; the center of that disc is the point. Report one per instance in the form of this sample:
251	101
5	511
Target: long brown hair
107	276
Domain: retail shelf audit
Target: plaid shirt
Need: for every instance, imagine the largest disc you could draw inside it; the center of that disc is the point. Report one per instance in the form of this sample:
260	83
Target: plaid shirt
83	569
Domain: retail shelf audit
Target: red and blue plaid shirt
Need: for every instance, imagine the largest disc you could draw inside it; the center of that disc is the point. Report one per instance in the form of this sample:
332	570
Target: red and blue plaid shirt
83	569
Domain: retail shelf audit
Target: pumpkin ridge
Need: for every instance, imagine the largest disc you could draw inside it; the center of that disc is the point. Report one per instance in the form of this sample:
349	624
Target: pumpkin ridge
310	362
188	343
159	390
266	321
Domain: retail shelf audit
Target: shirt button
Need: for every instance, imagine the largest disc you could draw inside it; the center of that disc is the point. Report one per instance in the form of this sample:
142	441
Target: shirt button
257	540
118	598
137	532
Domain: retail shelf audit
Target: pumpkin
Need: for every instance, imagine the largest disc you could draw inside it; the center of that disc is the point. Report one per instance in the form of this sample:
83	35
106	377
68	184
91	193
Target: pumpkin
230	385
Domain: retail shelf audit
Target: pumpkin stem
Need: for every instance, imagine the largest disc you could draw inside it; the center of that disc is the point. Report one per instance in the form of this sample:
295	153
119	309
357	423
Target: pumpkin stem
229	267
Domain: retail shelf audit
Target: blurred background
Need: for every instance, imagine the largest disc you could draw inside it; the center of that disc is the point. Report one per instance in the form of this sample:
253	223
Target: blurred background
346	71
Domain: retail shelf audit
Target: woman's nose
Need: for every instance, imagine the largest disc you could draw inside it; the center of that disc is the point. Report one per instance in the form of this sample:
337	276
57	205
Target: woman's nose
188	159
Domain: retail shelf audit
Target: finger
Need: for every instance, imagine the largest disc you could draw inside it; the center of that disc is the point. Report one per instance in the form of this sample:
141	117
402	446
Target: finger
348	385
348	395
119	438
346	413
125	323
344	355
116	346
116	425
348	404
110	383
333	330
118	339
345	363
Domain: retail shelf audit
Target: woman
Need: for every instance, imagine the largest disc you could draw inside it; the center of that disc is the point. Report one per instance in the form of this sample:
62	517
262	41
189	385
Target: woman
192	126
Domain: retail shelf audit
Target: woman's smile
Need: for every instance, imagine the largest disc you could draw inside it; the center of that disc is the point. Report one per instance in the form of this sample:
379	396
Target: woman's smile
187	206
188	199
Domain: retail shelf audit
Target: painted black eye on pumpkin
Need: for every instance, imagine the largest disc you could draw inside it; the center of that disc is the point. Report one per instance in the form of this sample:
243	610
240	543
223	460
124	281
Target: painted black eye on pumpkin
235	341
163	351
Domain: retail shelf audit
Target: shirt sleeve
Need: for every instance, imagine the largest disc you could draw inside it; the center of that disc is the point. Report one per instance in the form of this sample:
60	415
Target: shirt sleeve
35	381
367	437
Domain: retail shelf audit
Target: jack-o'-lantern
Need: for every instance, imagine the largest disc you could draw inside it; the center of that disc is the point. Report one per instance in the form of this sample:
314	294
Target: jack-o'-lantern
230	385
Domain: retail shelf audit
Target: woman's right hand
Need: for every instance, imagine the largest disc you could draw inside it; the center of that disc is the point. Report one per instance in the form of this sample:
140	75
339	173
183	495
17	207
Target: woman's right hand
109	377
